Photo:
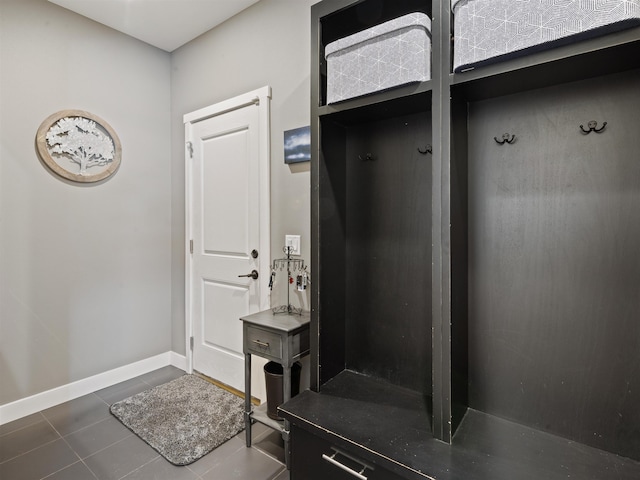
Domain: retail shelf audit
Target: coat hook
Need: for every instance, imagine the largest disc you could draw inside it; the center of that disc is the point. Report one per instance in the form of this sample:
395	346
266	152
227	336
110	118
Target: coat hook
505	139
592	127
427	149
368	157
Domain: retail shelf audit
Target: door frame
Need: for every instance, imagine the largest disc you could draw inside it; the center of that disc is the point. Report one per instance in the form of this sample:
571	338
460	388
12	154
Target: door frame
262	99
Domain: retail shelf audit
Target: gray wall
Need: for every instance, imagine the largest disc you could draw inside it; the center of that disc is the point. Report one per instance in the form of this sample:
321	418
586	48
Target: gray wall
267	44
92	277
85	271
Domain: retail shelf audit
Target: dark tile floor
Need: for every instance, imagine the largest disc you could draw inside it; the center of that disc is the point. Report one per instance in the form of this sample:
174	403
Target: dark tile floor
81	440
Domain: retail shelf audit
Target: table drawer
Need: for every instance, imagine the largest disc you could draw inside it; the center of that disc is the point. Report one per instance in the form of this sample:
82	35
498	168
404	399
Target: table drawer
315	459
263	342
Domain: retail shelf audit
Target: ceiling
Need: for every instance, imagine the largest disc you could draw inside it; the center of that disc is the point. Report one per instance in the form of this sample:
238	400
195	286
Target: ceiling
166	24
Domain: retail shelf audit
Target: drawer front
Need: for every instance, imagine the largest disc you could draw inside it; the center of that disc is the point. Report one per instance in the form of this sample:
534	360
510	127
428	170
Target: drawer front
313	458
264	343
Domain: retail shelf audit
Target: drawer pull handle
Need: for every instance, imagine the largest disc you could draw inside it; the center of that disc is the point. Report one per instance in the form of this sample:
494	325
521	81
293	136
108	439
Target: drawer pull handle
261	344
331	459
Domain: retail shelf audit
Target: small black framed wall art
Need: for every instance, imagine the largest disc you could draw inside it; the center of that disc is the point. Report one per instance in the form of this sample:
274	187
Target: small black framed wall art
297	145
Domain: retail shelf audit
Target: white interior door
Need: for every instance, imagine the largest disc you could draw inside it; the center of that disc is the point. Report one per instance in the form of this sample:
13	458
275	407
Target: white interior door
228	225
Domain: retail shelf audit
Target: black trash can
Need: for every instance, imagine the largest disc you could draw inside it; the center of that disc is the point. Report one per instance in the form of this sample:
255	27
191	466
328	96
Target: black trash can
273	374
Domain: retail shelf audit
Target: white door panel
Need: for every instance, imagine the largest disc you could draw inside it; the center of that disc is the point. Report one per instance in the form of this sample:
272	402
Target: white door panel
233	187
222	302
228	200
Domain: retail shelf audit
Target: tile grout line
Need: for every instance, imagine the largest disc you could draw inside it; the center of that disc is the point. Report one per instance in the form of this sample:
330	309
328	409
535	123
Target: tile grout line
268	455
70	448
103	448
42	417
140	466
32	450
70	465
80	458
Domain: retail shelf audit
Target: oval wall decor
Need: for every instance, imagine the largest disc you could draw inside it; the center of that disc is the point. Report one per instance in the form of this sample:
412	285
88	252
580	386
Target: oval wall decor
79	146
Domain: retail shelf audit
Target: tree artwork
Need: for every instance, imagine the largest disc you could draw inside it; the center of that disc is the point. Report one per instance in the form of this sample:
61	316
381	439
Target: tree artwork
82	141
78	146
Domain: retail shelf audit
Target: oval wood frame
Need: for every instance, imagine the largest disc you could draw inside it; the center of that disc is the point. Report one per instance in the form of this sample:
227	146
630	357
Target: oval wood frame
43	150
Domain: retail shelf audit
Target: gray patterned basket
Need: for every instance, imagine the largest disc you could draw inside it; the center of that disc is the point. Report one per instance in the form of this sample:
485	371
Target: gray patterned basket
487	31
393	53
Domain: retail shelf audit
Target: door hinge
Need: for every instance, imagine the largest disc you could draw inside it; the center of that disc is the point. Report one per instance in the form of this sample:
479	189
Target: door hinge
190	149
191	246
191	343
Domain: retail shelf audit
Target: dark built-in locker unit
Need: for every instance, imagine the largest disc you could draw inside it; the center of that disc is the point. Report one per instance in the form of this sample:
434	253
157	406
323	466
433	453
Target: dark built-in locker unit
475	308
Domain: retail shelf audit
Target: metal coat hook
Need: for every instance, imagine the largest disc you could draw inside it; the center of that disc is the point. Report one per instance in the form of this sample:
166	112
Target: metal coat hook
427	149
592	127
367	158
505	139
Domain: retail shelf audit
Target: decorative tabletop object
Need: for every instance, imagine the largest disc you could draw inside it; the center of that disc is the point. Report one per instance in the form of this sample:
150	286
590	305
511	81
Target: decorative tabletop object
79	146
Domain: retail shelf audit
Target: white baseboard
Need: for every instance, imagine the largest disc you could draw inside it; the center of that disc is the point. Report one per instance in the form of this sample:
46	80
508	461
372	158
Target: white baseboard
50	398
178	361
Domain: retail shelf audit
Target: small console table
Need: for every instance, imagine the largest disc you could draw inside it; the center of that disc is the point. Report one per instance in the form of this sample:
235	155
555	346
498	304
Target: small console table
283	339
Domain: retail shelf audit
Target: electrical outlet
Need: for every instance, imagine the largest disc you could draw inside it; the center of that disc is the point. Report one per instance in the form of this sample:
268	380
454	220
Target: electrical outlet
293	241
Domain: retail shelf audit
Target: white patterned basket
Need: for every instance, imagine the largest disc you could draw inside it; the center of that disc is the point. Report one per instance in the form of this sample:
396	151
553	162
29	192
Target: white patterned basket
393	53
486	31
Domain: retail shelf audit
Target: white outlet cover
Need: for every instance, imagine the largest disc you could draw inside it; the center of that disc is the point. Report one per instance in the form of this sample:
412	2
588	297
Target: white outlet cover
293	241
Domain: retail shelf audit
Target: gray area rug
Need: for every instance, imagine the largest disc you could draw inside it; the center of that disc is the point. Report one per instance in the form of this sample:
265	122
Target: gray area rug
184	419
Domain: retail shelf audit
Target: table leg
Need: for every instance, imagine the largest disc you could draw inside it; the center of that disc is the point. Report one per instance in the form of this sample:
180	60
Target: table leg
247	397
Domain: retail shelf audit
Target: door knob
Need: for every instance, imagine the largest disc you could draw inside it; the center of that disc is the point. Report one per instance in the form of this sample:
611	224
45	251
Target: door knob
253	274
